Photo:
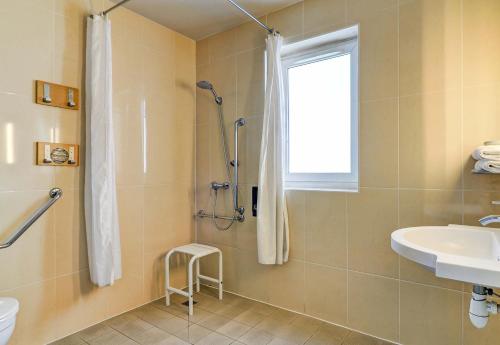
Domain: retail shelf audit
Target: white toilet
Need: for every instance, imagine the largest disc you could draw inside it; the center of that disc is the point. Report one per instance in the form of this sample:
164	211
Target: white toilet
8	311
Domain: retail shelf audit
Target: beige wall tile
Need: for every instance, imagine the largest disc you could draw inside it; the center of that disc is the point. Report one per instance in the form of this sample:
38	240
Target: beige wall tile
288	21
378	55
256	281
222	45
326	228
79	303
296	207
480	25
202	52
429	148
378	144
324	15
430	46
71	241
371	218
430	315
481	107
32	258
326	293
34	321
357	10
287	285
251	80
21	124
477	204
250	36
381	318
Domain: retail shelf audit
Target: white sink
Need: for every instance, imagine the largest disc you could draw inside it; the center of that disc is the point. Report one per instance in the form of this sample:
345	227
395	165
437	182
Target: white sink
465	253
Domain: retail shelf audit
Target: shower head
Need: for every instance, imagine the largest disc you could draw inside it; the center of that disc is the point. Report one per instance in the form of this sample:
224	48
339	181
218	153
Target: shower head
206	85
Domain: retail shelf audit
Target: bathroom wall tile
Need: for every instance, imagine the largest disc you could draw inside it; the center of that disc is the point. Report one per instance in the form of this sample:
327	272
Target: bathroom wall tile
288	21
157	37
382	317
131	220
357	10
127	24
436	207
321	280
253	131
32	257
37	310
430	315
202	53
250	36
323	15
71	242
68	43
73	9
430	46
126	293
18	68
287	285
430	145
371	218
79	303
378	56
326	228
250	84
378	144
21	124
481	106
480	25
477	204
222	45
255	282
296	207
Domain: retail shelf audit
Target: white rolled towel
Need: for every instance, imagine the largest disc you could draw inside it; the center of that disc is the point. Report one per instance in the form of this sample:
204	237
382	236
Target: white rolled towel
488	166
489	152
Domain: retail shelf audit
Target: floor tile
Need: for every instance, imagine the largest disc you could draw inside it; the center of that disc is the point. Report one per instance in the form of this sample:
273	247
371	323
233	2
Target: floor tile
233	329
112	338
215	339
71	340
256	337
152	336
250	317
214	322
95	332
355	338
193	333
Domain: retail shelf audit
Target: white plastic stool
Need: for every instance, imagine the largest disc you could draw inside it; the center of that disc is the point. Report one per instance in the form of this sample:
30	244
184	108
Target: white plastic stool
196	251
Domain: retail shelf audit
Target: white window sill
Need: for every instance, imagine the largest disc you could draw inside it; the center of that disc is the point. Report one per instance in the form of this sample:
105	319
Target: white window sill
347	187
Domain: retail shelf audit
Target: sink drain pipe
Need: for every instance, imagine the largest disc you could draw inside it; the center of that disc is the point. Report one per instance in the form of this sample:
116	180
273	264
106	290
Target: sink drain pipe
480	308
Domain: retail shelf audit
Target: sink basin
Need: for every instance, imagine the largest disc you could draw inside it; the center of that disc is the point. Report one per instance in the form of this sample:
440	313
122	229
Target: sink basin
464	253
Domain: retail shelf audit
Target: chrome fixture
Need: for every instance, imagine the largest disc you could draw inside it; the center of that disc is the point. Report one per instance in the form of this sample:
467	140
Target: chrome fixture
264	26
115	6
237	124
54	194
491	218
206	85
232	181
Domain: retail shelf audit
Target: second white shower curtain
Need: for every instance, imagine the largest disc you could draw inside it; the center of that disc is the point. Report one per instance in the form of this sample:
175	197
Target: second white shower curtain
272	216
101	214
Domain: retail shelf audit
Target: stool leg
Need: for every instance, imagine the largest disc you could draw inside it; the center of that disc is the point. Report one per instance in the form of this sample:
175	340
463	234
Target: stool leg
167	278
190	284
198	275
220	275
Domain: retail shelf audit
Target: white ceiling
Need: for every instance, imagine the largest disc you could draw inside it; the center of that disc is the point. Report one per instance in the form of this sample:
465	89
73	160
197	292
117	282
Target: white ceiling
201	18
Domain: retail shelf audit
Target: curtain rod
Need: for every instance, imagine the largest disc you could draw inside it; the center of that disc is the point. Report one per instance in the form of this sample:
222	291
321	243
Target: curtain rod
270	30
115	6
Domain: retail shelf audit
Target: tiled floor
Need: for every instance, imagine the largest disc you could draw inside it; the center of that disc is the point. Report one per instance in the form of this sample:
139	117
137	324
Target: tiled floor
234	320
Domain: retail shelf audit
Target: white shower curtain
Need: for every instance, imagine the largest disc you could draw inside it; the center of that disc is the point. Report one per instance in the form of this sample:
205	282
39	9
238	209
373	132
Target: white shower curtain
101	214
272	217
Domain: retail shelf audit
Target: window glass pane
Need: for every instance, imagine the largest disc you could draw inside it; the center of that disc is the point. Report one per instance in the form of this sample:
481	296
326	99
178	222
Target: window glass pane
320	116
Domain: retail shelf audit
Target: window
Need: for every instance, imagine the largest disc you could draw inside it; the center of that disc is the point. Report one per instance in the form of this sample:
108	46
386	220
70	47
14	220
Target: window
321	90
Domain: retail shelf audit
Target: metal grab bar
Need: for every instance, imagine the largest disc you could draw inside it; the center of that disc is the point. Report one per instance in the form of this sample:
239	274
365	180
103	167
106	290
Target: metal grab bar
54	194
203	214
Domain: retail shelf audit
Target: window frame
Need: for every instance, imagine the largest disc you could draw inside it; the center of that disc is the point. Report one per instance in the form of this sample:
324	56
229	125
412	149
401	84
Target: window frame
324	181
